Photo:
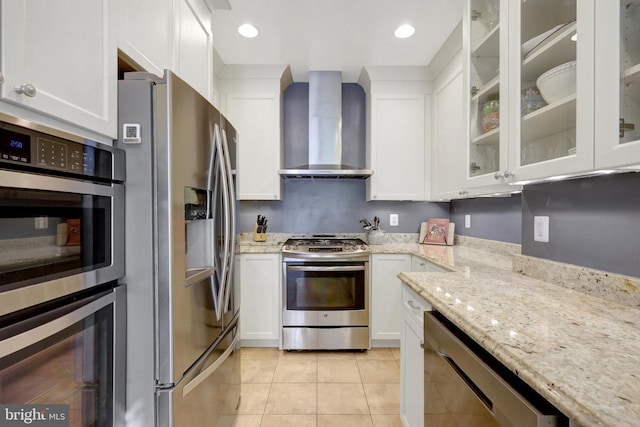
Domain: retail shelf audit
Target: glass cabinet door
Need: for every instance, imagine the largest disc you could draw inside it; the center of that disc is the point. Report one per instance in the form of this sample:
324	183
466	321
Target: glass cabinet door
482	46
554	92
617	72
629	129
548	80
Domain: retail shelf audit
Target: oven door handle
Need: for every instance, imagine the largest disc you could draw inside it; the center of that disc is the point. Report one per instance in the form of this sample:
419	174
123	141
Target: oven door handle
32	336
32	181
325	268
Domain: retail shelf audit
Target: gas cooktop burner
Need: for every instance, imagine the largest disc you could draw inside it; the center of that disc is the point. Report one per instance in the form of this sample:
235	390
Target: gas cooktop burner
319	245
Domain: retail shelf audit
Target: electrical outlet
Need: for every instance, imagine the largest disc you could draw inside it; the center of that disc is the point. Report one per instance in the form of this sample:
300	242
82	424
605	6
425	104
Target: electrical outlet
41	222
393	220
467	221
541	229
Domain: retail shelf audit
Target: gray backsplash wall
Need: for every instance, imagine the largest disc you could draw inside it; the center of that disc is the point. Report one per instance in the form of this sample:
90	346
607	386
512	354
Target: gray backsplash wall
330	205
493	218
334	206
593	222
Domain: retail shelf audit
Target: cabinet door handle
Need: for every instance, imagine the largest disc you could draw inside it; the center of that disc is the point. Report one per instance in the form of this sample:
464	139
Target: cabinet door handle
412	305
422	344
626	127
506	174
1	78
26	89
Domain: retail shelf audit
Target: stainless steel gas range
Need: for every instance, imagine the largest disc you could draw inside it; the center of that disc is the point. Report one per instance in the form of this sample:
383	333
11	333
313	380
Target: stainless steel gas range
325	293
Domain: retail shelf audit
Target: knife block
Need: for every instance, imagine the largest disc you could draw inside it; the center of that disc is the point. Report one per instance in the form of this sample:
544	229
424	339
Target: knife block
258	237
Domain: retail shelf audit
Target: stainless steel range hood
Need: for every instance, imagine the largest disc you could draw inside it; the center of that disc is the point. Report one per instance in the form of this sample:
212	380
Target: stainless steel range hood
325	131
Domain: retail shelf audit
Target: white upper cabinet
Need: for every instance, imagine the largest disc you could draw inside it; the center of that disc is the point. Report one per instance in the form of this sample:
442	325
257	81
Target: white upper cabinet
145	33
193	44
449	146
531	89
486	86
59	64
551	88
174	34
617	70
251	98
398	132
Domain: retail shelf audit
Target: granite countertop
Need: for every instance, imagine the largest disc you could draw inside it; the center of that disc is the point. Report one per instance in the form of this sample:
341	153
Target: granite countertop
579	351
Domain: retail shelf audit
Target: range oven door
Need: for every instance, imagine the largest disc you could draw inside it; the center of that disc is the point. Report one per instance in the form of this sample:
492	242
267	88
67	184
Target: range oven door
326	294
57	236
66	360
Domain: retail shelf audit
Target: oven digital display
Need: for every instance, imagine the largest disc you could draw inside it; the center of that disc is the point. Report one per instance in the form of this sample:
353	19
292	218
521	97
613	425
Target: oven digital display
15	146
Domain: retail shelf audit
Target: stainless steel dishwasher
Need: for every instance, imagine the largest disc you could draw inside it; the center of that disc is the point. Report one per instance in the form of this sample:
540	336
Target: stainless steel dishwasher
465	385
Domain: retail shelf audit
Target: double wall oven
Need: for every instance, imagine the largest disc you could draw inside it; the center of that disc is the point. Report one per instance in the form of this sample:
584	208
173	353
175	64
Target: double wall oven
61	255
325	293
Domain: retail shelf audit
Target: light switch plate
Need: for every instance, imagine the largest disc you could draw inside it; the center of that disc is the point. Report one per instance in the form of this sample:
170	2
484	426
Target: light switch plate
541	229
393	220
467	221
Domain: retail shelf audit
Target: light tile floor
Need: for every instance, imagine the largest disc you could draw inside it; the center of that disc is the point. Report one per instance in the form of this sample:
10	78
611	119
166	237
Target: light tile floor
319	389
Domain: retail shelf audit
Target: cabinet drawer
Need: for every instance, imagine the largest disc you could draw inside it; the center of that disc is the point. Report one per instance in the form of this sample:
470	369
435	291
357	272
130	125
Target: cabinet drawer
421	264
414	305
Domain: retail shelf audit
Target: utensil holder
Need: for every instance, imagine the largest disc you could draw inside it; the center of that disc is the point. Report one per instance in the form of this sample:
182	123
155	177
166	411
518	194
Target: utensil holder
376	237
258	237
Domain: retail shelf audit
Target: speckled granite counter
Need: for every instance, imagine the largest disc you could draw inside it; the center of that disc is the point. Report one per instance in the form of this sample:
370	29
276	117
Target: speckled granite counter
580	352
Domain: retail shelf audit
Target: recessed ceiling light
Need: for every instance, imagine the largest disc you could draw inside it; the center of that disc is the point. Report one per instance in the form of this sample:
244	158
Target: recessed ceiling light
404	31
248	30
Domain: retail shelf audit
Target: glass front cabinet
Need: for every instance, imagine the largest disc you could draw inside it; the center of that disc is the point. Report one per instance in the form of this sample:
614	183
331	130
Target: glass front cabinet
617	70
529	66
484	27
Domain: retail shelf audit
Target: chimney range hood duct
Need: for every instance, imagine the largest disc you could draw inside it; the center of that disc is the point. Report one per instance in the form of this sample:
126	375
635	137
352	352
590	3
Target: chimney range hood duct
325	131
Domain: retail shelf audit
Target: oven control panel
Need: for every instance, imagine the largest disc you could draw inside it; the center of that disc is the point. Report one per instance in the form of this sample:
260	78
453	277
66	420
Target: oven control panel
25	148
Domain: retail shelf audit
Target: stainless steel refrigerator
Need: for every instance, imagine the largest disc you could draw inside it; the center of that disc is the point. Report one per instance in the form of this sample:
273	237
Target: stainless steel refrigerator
183	367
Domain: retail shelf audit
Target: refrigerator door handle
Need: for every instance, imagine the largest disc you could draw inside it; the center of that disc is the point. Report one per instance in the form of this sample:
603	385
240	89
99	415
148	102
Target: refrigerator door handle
210	177
222	278
212	188
231	237
194	383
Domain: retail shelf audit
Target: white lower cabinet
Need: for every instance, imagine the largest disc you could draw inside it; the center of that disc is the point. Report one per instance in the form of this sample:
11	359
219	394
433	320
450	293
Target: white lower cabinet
386	318
422	265
419	264
412	359
259	277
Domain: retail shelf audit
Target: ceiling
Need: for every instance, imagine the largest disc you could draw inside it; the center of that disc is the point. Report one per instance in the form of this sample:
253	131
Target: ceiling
337	35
